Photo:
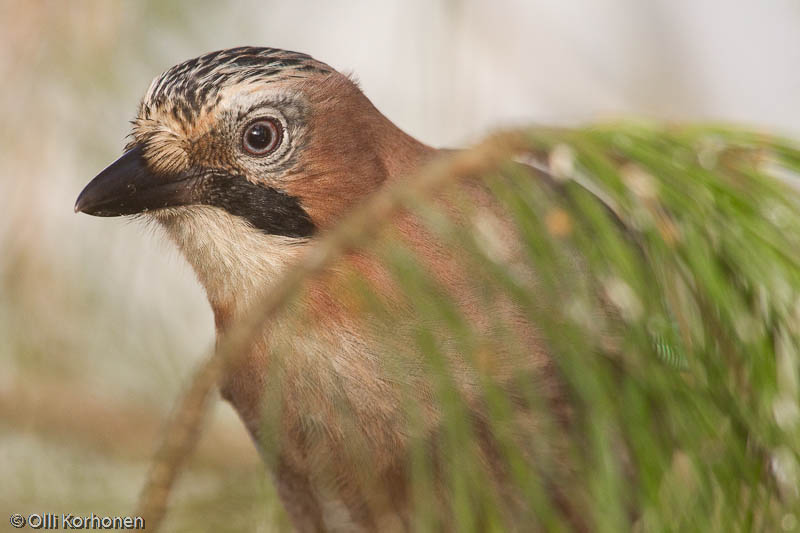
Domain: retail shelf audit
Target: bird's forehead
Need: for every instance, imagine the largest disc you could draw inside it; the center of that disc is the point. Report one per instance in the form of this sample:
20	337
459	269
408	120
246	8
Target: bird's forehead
195	87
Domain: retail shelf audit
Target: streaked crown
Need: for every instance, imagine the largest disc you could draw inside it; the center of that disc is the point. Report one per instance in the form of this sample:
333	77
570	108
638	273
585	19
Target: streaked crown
193	86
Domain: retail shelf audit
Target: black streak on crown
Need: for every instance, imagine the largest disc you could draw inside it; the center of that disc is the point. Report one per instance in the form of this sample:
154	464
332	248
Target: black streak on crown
189	85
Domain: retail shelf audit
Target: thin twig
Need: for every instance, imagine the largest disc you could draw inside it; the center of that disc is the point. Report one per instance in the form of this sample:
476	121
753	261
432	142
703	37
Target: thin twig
181	433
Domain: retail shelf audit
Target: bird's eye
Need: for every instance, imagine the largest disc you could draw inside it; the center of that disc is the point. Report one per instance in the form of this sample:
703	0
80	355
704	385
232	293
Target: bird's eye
262	137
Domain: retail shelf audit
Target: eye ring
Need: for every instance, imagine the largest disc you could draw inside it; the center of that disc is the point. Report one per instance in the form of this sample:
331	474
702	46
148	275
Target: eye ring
262	136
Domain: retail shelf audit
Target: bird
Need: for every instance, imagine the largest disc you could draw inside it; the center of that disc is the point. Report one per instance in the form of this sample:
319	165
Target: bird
244	157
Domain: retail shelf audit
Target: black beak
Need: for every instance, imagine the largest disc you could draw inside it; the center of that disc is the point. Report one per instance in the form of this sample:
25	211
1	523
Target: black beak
127	186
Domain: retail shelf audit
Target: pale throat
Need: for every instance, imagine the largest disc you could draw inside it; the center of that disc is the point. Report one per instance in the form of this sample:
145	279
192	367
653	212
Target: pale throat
234	261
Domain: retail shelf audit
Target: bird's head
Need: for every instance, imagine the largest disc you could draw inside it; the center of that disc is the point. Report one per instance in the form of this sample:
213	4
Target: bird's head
250	143
274	137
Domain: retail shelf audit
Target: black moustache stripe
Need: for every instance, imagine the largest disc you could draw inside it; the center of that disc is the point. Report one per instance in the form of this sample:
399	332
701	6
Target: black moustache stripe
270	210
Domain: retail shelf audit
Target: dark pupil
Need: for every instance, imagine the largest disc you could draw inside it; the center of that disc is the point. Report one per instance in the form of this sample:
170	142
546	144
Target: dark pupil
259	137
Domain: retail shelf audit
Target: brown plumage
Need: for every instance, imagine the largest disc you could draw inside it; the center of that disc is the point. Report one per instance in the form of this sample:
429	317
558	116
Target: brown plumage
323	394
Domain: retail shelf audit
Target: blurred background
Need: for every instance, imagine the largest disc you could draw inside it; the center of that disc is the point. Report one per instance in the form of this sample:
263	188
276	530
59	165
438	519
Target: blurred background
101	320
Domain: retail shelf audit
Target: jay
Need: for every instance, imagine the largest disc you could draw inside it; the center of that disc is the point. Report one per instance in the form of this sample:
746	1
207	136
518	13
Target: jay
244	156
